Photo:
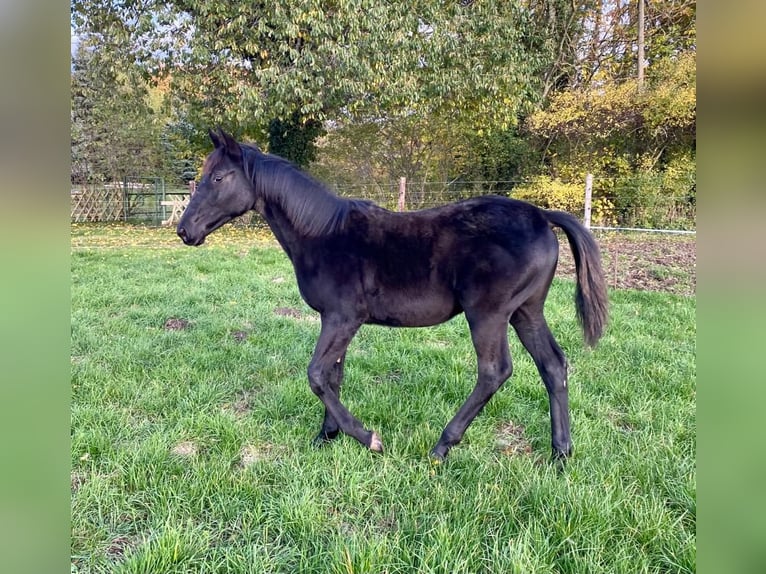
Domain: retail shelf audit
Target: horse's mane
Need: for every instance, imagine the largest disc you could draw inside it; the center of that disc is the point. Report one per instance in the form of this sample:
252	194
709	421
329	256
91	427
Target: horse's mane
312	208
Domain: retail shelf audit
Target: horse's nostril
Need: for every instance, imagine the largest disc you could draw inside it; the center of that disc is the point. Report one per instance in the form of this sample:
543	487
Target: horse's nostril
181	232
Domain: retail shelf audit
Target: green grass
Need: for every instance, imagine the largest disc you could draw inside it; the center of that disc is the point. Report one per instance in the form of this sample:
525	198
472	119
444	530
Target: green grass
190	447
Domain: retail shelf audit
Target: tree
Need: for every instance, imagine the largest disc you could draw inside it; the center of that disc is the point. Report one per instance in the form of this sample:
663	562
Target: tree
441	160
244	64
294	139
642	141
112	128
612	36
562	29
639	143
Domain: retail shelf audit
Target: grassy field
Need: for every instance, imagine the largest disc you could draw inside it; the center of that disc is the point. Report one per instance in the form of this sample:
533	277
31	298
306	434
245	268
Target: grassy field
192	419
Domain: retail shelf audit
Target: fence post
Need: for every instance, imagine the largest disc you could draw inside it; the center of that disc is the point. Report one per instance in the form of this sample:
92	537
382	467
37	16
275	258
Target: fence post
161	216
402	192
588	194
125	198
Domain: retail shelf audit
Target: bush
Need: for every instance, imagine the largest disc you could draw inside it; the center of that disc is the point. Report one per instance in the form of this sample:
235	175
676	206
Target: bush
658	199
552	193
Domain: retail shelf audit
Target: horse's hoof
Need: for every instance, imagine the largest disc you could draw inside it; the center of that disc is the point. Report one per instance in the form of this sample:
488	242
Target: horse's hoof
323	439
435	458
559	454
376	445
436	463
319	441
438	454
559	458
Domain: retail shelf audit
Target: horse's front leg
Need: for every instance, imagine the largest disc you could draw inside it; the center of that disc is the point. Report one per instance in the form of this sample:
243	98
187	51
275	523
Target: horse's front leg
330	428
323	371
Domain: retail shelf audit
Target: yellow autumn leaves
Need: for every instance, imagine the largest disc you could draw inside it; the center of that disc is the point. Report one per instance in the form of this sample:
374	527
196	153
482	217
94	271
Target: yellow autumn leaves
118	236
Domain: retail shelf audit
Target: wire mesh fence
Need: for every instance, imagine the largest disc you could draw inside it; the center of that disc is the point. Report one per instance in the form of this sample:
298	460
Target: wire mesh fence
646	258
152	201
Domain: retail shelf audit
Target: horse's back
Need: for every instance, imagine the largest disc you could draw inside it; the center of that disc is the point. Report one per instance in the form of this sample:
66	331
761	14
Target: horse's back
420	267
461	232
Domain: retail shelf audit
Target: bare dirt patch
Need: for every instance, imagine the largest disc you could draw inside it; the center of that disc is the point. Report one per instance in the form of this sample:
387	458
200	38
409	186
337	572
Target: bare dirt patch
239	336
297	314
288	312
242	405
175	324
252	453
642	261
511	440
621	421
118	547
185	449
77	480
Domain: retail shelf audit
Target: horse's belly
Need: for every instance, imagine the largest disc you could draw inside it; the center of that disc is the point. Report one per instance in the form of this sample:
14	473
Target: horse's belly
412	310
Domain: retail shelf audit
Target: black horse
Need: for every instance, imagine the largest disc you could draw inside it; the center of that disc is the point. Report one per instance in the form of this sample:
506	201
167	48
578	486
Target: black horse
491	258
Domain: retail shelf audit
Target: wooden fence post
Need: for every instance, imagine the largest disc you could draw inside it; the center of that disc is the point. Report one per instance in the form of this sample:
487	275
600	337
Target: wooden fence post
125	199
402	193
588	194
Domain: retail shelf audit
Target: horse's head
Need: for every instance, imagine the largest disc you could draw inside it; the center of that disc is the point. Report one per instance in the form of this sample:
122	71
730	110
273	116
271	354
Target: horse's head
224	192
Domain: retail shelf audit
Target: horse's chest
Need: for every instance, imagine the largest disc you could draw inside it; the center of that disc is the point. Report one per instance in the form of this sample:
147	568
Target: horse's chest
327	288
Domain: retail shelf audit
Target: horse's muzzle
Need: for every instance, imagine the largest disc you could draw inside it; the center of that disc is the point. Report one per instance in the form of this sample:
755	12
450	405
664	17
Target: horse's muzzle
188	240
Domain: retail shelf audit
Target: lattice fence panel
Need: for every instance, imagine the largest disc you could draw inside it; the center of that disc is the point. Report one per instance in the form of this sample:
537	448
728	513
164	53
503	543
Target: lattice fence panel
96	204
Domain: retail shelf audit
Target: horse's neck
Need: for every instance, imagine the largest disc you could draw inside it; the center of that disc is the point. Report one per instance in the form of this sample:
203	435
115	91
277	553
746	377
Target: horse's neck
280	226
296	207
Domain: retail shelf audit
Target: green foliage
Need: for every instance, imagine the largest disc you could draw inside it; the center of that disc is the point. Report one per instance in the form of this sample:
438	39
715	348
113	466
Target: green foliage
183	160
671	28
586	122
378	153
553	193
294	139
501	156
639	144
112	123
123	125
670	102
439	91
656	198
244	64
597	39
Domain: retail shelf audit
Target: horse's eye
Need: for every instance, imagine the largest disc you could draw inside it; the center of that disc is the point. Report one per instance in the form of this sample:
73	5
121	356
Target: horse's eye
217	178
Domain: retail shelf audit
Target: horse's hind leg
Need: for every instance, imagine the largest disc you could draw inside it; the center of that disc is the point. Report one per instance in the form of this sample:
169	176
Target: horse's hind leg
330	428
490	340
533	331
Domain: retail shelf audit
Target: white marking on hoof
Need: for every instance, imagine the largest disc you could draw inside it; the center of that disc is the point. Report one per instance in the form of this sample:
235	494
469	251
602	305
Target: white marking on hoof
376	445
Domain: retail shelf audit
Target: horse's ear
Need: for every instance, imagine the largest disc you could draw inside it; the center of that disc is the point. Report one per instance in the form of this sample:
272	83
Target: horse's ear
215	138
232	147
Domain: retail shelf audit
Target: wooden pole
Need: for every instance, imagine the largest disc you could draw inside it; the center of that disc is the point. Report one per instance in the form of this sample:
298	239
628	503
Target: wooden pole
402	193
125	198
588	195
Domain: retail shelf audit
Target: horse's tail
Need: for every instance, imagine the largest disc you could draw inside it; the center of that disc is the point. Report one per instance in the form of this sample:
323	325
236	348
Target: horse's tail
590	295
